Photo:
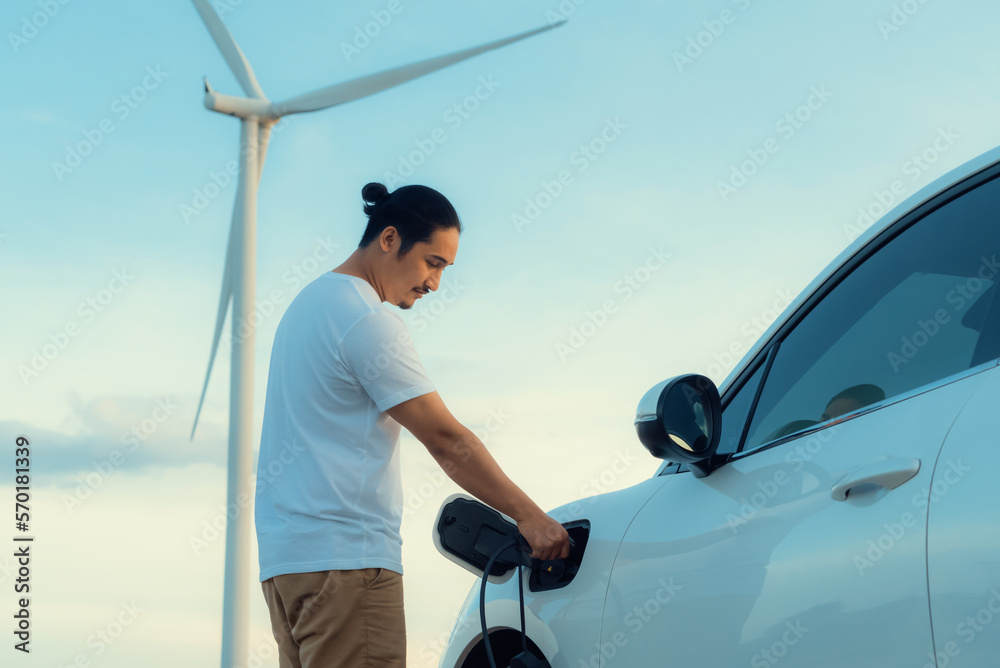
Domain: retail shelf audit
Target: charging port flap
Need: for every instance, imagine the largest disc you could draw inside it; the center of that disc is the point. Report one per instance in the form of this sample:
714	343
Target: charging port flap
468	533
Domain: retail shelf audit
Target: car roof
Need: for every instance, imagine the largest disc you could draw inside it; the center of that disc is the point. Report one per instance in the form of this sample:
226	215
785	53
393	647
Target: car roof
938	185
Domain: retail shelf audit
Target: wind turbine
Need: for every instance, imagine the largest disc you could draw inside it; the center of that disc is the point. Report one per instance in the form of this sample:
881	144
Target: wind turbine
257	114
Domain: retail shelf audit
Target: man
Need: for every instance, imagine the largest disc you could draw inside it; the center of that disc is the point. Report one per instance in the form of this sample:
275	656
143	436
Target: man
344	376
852	399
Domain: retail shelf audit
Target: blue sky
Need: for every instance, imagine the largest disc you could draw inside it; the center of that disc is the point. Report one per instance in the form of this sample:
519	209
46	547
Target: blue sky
657	253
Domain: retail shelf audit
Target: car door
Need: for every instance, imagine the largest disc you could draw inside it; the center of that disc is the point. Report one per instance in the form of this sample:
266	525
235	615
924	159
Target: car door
963	541
808	546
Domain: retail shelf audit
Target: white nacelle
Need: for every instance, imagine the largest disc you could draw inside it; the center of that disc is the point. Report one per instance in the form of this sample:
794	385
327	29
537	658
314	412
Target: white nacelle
239	106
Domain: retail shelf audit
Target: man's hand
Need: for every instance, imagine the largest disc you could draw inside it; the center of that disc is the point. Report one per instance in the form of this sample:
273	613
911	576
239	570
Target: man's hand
547	538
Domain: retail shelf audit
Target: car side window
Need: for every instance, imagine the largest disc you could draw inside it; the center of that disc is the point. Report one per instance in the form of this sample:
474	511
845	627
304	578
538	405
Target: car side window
734	415
917	310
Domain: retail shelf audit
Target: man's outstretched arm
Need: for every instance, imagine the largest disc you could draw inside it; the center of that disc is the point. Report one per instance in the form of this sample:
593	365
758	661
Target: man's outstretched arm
466	460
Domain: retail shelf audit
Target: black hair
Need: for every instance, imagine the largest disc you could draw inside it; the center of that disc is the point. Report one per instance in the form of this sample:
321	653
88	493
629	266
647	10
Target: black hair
415	211
864	395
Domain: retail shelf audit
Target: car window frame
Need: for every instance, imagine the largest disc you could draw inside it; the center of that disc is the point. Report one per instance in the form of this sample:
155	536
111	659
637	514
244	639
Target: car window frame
866	252
769	350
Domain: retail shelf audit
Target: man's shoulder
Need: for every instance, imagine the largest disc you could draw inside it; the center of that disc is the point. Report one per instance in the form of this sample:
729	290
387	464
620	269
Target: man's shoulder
349	296
334	303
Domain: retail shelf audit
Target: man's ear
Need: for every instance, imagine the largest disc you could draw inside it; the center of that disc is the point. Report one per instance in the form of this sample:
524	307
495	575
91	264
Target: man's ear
388	238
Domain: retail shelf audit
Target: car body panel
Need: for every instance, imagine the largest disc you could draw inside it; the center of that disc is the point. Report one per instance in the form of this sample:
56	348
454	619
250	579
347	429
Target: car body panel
963	561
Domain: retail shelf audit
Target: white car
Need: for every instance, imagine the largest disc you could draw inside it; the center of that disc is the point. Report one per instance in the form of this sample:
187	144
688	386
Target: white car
839	506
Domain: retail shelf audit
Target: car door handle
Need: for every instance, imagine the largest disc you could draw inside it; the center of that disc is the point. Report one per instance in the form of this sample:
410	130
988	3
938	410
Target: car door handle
888	472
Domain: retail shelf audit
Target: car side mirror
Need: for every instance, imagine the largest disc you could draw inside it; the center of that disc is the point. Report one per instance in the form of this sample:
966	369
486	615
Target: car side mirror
680	420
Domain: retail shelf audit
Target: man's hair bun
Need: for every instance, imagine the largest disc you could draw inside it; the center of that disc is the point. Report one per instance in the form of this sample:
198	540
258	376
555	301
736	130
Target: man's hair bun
373	194
415	211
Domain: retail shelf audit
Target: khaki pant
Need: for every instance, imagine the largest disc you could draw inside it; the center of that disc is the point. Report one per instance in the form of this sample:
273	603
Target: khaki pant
334	619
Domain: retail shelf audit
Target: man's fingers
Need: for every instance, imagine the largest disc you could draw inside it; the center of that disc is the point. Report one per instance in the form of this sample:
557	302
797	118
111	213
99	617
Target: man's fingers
548	539
548	550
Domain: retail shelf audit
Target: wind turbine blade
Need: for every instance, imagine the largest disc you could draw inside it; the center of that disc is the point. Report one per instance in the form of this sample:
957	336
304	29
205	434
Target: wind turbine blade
225	296
230	50
374	83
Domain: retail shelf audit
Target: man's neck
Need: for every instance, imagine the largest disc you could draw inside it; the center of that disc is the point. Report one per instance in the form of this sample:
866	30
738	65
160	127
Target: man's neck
356	266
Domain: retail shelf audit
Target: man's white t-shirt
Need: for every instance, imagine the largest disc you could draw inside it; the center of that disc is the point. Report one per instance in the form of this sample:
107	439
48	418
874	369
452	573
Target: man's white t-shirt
329	495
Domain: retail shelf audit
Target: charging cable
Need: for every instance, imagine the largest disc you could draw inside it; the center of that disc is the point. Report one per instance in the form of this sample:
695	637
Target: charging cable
482	600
